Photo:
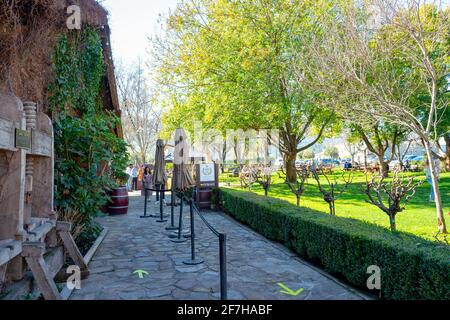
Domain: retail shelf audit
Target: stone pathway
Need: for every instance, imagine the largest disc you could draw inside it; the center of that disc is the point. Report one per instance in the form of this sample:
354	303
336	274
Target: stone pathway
255	265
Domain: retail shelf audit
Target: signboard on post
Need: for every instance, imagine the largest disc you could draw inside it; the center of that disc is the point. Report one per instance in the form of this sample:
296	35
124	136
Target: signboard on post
207	173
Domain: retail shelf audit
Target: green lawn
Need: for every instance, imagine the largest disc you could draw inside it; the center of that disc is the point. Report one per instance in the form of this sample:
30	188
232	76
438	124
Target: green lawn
419	217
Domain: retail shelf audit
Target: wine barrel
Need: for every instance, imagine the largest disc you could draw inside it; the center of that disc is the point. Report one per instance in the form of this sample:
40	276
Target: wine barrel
119	201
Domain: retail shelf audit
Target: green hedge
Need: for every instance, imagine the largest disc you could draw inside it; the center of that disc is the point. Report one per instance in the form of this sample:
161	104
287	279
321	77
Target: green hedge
411	267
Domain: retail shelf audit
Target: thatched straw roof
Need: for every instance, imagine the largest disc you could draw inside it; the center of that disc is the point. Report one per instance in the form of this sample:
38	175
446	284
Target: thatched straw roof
29	30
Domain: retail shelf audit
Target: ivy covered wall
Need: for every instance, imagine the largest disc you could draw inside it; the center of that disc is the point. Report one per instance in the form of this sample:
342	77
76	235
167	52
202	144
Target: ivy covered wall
89	158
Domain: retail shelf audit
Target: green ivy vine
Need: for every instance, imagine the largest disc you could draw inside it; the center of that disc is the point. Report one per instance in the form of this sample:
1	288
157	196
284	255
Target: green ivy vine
89	157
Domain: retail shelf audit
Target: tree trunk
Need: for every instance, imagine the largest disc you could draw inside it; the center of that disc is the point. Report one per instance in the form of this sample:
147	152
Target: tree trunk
291	172
447	152
384	166
143	157
224	156
392	222
365	159
298	200
400	158
330	204
437	194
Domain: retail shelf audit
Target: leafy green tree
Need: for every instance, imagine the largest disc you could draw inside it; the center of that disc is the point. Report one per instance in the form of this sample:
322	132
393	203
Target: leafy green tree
307	154
230	64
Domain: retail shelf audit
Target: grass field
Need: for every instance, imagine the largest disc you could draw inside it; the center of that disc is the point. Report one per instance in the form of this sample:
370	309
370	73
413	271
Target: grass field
419	218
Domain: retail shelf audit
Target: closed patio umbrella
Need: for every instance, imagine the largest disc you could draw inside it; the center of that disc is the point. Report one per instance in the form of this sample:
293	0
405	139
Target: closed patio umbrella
159	174
182	178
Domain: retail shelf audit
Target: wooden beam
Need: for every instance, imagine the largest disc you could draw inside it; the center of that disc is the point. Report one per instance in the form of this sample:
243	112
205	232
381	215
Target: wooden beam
63	229
3	276
111	77
33	252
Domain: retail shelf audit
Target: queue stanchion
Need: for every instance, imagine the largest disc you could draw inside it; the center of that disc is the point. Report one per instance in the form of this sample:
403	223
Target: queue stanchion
161	210
178	238
223	266
145	204
172	226
193	261
157	189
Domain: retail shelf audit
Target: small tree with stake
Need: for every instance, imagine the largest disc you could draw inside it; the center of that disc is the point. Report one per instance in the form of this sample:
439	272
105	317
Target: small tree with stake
333	194
298	188
399	192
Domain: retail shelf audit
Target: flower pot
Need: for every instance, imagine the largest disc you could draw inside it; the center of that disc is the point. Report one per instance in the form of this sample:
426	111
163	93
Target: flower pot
119	201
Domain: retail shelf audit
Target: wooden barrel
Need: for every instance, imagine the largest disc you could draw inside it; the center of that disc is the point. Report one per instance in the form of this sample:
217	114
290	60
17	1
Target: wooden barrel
119	201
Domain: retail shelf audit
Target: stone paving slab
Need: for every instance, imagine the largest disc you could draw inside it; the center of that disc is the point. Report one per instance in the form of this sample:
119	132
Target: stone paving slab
255	265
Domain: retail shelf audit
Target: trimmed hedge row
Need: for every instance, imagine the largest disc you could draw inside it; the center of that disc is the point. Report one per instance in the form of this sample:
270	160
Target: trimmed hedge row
411	267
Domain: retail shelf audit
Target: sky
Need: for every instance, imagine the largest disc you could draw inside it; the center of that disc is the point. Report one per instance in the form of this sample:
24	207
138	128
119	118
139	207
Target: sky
131	22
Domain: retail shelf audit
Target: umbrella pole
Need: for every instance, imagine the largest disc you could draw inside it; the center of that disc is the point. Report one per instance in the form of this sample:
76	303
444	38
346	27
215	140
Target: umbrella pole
179	239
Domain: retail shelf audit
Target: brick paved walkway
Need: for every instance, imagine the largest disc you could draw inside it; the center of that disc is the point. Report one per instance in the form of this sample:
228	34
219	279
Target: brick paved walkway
255	265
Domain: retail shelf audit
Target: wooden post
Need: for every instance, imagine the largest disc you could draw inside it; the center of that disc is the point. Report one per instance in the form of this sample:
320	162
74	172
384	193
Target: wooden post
33	252
63	229
3	276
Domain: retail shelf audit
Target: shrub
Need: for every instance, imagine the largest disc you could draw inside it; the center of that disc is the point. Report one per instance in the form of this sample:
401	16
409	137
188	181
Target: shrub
411	267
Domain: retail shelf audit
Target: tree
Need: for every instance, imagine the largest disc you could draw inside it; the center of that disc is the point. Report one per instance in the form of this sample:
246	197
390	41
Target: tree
230	64
380	138
332	194
379	59
141	120
265	179
307	154
443	127
298	188
332	152
352	146
398	193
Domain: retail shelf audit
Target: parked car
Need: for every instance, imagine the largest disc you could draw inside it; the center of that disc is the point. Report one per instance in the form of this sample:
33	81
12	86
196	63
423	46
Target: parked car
418	158
329	161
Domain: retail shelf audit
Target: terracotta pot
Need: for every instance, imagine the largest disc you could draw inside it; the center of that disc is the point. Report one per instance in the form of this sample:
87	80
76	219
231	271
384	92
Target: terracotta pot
119	201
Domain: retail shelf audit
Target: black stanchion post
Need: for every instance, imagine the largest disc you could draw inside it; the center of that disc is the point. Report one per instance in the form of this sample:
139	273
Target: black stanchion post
193	260
158	188
172	207
145	204
223	266
179	239
161	210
